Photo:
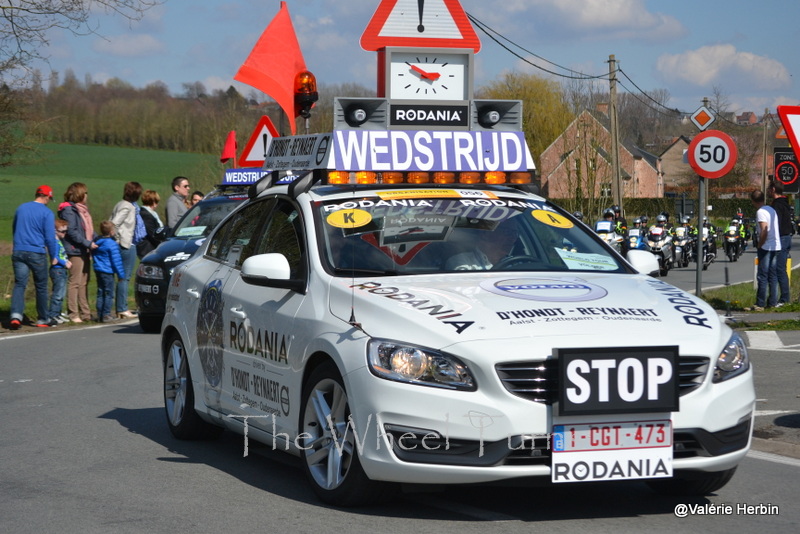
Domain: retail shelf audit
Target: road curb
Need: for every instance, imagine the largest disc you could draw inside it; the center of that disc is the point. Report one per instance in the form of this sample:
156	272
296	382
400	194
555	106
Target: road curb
781	448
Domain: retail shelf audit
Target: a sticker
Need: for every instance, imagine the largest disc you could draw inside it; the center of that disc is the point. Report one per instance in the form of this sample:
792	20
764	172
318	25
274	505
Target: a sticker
552	219
349	218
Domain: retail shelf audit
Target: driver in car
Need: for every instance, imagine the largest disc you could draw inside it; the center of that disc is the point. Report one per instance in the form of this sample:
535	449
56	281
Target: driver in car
491	247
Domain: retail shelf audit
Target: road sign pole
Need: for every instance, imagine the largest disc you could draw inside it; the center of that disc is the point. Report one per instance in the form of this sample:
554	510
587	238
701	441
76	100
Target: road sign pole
701	199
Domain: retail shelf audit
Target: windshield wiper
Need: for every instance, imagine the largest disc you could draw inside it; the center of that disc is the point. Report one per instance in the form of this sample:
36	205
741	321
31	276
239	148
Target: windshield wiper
363	272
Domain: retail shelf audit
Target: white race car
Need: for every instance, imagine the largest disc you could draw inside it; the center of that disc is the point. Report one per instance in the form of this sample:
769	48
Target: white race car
443	334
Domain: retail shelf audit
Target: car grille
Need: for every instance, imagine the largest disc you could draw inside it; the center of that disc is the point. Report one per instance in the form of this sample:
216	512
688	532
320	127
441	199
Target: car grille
538	381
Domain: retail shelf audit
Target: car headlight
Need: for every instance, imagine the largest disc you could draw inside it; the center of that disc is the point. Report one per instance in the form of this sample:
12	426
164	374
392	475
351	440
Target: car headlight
150	271
416	365
733	360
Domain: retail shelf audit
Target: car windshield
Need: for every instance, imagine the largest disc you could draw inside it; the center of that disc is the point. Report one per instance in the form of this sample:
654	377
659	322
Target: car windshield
437	234
204	216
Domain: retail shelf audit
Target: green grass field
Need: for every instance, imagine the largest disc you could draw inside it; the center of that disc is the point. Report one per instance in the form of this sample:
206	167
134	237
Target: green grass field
104	170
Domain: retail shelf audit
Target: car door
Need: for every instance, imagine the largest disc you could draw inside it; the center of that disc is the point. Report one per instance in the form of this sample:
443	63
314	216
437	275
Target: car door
260	329
229	246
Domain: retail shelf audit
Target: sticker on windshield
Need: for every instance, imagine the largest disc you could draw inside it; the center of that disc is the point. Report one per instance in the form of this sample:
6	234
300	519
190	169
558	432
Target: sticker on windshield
435	193
581	261
552	219
353	218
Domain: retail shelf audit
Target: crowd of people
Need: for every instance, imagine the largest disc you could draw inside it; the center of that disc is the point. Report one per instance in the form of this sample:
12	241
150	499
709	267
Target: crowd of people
67	247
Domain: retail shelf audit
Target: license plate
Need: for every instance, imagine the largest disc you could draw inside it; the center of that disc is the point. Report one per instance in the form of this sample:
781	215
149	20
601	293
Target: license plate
612	451
612	436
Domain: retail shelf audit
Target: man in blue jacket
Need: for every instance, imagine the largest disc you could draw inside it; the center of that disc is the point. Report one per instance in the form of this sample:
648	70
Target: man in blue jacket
34	251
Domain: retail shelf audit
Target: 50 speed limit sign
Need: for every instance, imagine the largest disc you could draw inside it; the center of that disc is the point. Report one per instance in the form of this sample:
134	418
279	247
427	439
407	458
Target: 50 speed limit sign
712	154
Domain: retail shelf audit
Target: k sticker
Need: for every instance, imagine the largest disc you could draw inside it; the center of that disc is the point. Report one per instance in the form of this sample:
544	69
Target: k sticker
349	218
546	289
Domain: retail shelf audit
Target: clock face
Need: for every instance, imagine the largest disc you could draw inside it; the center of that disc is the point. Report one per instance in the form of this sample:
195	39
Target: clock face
429	75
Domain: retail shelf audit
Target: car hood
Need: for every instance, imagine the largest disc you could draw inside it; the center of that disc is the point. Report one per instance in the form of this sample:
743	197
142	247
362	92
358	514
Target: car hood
583	309
174	251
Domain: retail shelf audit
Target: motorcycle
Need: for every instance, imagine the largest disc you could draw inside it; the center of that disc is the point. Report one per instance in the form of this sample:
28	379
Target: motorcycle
709	248
660	243
683	246
732	241
636	239
605	229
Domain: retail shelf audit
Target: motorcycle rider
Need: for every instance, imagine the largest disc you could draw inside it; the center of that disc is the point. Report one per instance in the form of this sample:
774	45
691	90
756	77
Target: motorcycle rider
712	235
621	224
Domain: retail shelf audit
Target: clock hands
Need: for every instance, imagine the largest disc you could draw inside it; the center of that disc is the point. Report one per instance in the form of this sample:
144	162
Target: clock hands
432	76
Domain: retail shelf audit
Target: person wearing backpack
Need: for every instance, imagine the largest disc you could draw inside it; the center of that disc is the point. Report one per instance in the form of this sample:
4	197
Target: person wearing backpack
124	216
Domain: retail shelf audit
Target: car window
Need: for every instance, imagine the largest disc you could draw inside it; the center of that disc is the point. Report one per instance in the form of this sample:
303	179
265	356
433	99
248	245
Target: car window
236	240
203	217
283	234
441	235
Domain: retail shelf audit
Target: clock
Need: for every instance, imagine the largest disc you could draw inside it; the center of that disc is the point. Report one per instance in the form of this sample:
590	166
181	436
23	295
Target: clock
428	73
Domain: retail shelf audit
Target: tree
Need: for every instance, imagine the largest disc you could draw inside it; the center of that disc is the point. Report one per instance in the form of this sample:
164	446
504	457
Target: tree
24	25
545	110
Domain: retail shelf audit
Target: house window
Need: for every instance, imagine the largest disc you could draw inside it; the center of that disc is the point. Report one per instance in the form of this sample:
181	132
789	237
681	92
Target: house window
605	189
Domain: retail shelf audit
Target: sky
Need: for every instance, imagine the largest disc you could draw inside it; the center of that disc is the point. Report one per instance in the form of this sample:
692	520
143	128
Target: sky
748	50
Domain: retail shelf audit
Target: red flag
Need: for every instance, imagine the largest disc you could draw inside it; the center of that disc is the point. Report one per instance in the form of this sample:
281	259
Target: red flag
229	150
274	62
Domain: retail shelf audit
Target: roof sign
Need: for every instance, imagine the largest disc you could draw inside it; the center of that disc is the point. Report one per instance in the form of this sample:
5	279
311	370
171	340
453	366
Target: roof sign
423	150
256	148
242	176
434	23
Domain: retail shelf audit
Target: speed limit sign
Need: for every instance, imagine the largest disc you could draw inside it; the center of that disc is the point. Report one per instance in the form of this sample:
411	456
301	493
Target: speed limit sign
712	154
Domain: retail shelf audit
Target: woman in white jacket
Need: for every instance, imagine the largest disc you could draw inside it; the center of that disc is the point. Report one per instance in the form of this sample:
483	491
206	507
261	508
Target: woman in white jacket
124	218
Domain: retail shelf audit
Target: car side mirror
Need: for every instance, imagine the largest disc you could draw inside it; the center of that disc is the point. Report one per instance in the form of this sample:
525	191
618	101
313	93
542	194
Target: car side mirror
271	270
161	234
643	261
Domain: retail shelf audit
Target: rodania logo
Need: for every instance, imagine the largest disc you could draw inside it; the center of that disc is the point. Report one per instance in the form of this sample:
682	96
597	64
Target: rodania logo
546	289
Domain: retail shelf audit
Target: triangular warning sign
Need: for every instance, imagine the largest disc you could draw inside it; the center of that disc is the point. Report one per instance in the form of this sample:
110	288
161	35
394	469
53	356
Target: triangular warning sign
781	133
428	24
255	151
790	119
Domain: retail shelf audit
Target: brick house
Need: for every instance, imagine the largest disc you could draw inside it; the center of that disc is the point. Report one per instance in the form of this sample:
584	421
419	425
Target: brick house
580	159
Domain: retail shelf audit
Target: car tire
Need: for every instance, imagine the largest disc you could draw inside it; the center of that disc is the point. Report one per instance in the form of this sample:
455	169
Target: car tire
182	419
150	323
330	457
691	482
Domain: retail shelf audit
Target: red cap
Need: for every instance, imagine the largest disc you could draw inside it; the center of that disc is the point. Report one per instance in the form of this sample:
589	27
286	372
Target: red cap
45	190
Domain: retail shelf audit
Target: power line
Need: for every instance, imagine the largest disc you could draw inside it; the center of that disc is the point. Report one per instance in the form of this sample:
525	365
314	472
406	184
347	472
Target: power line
491	34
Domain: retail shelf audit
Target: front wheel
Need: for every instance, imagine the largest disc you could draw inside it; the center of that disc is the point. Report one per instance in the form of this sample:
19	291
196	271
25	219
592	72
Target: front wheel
691	482
330	454
182	419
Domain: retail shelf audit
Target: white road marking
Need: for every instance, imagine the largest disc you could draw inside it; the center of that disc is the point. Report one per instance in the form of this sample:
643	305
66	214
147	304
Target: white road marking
771	412
775	458
764	340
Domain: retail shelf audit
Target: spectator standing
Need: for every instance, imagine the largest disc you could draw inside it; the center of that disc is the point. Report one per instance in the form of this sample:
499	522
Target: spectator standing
769	244
124	218
107	262
78	243
176	203
34	249
59	272
785	229
194	198
152	223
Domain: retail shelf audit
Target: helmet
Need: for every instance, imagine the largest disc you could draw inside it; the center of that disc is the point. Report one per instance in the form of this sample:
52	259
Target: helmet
644	219
661	218
608	212
665	214
615	208
637	220
578	215
685	219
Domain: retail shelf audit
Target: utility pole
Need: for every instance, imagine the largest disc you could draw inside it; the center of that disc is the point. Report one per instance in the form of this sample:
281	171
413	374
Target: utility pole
764	164
616	180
